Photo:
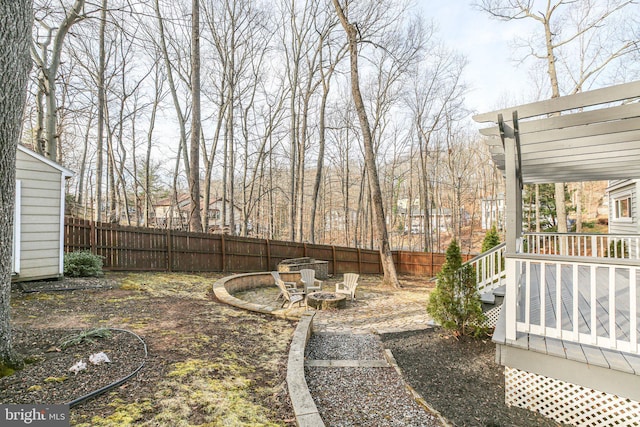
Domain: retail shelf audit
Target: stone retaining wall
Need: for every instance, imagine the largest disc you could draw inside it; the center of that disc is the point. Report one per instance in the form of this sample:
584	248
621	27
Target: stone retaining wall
226	287
296	264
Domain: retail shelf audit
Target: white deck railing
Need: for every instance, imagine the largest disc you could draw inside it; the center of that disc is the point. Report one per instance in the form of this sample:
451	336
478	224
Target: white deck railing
583	245
559	287
490	269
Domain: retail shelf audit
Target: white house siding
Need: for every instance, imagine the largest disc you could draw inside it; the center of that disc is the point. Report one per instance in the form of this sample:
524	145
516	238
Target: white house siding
619	189
41	218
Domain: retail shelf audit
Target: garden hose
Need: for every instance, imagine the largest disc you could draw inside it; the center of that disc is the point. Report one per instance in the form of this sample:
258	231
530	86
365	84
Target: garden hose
122	380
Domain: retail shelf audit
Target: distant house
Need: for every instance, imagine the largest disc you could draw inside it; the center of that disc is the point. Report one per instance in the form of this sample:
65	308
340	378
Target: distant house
214	214
169	215
493	212
38	243
416	220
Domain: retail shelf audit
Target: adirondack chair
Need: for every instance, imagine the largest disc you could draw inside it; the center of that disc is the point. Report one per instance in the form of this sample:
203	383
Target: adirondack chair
309	281
288	285
290	296
348	285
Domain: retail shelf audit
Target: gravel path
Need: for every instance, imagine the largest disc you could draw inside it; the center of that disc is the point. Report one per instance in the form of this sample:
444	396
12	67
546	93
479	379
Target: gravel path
344	347
360	396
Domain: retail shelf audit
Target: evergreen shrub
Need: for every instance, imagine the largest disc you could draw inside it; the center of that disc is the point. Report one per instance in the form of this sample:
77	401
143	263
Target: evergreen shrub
82	264
455	303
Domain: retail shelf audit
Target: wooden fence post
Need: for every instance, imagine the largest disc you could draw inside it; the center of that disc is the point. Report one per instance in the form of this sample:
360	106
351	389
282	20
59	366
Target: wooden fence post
333	250
432	265
92	238
169	251
359	261
224	254
268	254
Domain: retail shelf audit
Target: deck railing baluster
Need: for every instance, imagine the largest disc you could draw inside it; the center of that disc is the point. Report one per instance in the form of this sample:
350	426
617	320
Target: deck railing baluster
613	339
592	307
558	332
633	310
576	300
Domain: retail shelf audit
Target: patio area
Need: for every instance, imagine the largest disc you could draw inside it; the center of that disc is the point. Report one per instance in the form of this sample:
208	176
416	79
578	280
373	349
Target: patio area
376	309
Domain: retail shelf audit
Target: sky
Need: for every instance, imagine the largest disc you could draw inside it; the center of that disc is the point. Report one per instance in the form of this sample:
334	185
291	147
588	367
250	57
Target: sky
492	75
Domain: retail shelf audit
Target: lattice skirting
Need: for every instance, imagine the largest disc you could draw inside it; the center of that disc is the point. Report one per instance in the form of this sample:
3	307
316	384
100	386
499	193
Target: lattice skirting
492	316
568	403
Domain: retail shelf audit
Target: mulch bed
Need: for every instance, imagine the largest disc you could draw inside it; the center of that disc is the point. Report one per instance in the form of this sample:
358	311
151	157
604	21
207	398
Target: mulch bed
458	377
46	376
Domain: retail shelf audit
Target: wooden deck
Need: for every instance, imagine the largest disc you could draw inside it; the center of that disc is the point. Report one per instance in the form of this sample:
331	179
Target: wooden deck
589	354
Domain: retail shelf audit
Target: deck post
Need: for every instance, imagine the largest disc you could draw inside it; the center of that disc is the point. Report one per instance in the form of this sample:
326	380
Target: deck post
513	196
510	297
513	229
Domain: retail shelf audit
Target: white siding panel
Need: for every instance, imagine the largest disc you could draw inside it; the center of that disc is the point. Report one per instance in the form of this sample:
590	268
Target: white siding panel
40	176
38	228
45	259
48	195
38	247
38	219
39	271
45	188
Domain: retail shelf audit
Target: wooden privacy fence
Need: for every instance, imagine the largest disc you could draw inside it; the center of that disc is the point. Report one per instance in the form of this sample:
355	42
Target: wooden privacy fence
126	248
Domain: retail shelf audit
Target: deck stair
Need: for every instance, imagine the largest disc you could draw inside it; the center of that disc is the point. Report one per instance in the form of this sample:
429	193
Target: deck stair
492	304
490	278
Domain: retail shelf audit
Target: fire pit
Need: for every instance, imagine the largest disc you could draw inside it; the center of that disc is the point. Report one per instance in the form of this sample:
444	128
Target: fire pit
326	300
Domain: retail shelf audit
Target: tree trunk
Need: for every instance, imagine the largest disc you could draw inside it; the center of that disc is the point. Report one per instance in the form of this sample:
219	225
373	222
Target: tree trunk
538	229
561	210
579	194
195	223
148	205
16	20
320	163
83	162
101	106
388	267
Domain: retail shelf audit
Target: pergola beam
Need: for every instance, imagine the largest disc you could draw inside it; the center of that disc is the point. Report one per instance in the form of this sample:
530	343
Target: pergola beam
580	100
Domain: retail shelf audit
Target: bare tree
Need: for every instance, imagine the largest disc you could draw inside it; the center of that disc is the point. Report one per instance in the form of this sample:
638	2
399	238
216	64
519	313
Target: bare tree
171	69
389	269
326	73
16	20
195	223
158	80
47	61
101	107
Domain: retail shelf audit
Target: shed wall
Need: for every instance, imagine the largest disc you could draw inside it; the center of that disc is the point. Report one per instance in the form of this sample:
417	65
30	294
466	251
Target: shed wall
40	218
